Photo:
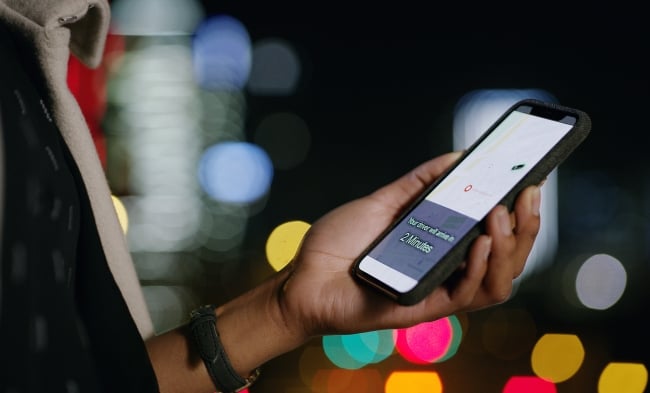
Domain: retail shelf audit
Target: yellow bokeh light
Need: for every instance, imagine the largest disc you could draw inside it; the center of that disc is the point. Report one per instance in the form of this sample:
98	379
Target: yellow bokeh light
623	378
414	382
283	242
557	357
122	215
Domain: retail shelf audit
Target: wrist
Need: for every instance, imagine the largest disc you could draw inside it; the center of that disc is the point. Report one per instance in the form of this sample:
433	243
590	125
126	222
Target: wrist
254	328
202	329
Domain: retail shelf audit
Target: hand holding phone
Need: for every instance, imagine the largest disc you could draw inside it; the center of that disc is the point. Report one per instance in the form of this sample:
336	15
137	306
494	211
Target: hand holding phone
424	246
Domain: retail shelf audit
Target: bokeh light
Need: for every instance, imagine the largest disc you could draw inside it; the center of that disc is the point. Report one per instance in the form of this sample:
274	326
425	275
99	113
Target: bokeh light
557	357
286	138
369	347
223	227
619	377
338	354
165	268
312	360
182	94
235	172
154	143
428	342
353	351
414	382
156	17
164	223
223	116
169	305
474	113
456	338
222	53
600	282
122	215
283	242
529	384
276	68
343	381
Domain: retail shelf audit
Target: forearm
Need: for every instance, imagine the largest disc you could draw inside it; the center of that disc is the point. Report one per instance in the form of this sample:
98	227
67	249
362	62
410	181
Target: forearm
251	328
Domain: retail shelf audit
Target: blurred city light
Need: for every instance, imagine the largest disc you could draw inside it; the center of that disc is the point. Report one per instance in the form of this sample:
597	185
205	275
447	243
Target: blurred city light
338	354
620	377
414	382
312	361
283	242
235	172
276	68
222	54
354	351
529	384
429	342
154	128
156	17
600	282
223	116
475	112
341	380
169	305
178	105
456	339
557	357
223	227
369	347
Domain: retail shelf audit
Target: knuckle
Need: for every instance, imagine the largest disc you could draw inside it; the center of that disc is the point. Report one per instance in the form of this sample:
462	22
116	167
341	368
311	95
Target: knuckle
501	295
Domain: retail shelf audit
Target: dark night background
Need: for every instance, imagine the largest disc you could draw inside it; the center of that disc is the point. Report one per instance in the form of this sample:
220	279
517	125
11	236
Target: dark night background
378	90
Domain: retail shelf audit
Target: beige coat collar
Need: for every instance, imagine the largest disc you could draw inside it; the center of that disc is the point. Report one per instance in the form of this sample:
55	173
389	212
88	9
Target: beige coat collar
87	22
54	28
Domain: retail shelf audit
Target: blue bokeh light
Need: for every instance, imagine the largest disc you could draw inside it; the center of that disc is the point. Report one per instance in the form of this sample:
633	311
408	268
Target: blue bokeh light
235	172
354	351
337	352
222	54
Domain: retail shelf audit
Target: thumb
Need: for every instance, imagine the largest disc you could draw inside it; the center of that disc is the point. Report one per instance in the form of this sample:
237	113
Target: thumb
403	190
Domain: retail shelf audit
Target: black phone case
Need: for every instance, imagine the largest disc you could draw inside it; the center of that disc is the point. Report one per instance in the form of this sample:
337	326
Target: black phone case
450	262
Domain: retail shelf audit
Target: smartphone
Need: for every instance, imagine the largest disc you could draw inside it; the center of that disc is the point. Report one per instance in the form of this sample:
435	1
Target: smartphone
430	239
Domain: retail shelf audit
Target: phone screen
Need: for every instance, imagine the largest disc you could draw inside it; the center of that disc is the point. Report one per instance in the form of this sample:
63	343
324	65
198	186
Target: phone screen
463	197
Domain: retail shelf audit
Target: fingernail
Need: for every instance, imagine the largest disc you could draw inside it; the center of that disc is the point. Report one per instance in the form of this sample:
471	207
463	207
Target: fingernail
504	221
535	201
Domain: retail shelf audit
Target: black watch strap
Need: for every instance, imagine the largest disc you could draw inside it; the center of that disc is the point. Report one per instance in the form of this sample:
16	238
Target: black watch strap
206	339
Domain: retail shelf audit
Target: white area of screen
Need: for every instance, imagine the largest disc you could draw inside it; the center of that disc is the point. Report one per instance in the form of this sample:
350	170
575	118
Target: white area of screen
384	273
477	184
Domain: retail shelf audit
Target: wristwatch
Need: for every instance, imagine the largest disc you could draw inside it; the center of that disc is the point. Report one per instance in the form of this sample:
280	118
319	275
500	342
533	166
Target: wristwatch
206	340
